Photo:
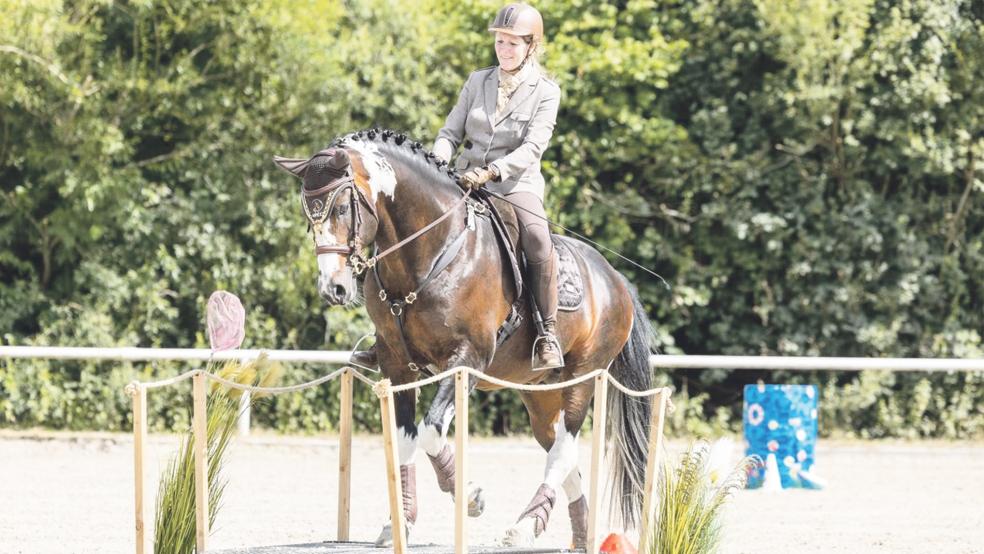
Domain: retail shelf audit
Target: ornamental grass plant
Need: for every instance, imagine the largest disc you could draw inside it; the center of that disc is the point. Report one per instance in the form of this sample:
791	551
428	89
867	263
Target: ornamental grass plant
692	495
174	517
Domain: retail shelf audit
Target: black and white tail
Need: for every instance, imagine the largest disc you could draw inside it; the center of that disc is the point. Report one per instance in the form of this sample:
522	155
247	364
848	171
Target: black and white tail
629	418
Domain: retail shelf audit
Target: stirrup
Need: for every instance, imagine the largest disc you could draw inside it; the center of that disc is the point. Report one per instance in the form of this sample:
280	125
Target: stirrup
356	349
560	353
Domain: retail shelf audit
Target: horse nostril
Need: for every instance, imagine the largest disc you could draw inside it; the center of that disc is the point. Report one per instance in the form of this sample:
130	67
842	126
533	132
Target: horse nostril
339	291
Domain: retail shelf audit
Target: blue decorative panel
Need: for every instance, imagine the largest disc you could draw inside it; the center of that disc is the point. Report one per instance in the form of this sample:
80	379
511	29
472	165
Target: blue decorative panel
782	420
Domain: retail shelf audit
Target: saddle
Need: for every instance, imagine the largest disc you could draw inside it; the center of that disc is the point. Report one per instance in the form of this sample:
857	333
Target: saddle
570	284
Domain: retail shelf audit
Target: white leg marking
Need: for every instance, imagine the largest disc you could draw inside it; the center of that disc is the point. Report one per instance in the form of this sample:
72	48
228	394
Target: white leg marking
431	440
562	458
406	446
572	485
561	463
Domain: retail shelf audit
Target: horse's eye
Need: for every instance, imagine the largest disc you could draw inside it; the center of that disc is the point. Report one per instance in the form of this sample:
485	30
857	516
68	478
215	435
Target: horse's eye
343	209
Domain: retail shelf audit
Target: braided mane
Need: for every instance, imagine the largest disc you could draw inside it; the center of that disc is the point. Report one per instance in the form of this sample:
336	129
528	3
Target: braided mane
410	152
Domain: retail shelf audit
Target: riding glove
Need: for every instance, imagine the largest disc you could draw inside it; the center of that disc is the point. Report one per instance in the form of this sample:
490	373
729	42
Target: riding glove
475	178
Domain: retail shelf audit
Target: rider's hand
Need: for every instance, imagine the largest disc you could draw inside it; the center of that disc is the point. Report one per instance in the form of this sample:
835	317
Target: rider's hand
475	178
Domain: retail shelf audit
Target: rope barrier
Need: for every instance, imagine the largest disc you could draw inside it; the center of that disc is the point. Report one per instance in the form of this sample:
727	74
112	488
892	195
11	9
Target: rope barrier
359	376
131	388
533	388
422	383
382	386
384	390
278	390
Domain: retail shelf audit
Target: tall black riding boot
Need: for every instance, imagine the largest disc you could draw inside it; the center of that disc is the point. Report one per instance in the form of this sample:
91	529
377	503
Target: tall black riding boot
365	358
547	353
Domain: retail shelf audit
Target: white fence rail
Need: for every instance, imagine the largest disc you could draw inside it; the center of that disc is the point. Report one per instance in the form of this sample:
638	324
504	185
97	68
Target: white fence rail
806	363
791	363
133	354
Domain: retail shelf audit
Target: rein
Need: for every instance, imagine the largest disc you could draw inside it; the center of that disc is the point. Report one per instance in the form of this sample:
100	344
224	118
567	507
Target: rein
371	262
397	305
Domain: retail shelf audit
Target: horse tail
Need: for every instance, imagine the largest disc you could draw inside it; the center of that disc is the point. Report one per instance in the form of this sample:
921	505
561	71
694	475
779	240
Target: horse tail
629	417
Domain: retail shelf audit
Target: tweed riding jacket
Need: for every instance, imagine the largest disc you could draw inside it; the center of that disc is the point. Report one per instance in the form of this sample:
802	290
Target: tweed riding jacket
513	141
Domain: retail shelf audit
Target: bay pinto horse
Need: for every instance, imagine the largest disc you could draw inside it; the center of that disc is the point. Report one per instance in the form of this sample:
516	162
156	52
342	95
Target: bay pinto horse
452	288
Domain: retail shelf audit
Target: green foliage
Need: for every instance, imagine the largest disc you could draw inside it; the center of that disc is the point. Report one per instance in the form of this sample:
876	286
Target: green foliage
807	177
691	500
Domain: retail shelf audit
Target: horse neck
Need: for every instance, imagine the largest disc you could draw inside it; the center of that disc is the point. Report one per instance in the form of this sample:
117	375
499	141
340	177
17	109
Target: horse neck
416	203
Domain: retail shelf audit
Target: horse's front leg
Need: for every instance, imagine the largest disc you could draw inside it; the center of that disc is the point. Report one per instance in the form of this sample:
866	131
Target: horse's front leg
434	441
406	436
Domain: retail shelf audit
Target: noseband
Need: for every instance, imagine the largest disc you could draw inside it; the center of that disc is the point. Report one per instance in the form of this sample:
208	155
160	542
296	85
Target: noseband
317	205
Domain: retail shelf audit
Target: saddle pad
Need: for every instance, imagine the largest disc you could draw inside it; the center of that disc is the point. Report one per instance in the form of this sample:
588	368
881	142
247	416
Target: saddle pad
570	285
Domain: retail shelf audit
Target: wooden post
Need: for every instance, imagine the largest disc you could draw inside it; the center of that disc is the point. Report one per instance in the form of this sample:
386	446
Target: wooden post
200	428
460	465
345	456
653	468
139	395
388	414
598	425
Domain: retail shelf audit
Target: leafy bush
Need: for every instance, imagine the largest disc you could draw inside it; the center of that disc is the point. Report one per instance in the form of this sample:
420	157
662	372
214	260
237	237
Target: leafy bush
807	179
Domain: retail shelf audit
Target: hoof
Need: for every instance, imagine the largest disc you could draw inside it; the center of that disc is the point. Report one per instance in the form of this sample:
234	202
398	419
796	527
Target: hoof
385	538
518	535
476	500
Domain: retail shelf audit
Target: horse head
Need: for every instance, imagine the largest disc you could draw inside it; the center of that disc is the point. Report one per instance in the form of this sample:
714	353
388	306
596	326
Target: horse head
342	215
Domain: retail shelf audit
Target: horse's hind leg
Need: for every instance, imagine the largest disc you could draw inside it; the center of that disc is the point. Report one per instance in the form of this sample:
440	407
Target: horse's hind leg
434	440
577	508
556	417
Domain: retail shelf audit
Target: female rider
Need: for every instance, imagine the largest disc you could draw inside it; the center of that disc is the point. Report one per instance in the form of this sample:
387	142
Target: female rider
504	119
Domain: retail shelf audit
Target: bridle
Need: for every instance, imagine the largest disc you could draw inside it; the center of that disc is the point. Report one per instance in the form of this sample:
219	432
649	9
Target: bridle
318	204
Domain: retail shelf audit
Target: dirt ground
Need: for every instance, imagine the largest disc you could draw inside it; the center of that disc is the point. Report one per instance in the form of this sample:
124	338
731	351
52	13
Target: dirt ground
63	493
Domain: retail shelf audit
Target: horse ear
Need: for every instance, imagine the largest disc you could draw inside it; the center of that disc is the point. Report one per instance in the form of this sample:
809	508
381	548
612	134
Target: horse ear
294	166
339	160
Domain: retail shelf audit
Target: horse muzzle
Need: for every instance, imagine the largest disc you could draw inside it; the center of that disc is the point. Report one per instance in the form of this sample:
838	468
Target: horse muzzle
334	293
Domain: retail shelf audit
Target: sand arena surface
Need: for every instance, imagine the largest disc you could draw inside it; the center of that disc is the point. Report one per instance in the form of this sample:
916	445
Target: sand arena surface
67	493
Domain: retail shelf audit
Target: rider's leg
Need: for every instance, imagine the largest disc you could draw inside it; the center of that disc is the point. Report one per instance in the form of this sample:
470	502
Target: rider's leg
534	236
365	358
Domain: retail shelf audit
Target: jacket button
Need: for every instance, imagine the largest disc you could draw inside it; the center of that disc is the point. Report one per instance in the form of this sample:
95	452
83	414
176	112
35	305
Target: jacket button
468	144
